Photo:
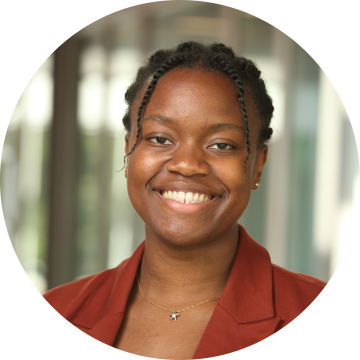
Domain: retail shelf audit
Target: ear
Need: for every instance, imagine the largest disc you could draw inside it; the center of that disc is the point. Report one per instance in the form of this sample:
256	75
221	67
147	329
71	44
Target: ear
127	143
127	149
261	158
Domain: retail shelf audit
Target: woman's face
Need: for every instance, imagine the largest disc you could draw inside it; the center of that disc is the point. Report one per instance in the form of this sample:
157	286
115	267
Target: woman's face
193	142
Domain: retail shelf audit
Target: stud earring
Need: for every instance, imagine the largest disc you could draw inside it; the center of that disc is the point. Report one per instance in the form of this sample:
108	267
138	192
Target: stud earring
257	184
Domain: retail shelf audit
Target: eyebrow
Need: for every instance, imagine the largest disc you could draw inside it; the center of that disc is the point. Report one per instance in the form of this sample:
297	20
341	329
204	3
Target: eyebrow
159	118
213	127
226	126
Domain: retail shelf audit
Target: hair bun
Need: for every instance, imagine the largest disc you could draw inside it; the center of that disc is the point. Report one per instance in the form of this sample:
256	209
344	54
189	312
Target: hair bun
222	49
266	133
251	68
218	59
158	56
188	46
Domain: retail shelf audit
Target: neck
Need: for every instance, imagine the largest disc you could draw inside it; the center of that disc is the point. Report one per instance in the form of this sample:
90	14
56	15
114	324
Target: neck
175	275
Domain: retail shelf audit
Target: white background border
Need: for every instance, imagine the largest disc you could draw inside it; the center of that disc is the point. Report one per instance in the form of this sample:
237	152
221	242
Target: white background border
32	30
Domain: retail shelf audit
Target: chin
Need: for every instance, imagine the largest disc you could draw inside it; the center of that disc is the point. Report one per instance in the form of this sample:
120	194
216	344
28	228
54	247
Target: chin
184	235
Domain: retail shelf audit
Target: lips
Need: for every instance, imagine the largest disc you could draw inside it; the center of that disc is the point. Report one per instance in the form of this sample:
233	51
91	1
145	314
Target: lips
186	197
186	206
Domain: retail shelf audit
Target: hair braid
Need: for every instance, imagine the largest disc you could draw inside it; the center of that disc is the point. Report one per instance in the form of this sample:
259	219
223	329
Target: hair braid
163	69
233	75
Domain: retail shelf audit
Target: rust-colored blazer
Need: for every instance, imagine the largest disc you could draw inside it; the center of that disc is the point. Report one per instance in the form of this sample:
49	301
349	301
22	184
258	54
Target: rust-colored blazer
259	299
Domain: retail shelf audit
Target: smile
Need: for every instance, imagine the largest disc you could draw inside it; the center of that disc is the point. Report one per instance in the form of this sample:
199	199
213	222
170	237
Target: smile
186	197
186	202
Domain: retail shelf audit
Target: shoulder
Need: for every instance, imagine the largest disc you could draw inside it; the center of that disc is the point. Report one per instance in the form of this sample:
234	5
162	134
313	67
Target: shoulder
293	292
68	298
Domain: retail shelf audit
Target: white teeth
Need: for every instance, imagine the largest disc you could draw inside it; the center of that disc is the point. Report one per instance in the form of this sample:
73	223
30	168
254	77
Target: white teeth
186	197
189	196
181	196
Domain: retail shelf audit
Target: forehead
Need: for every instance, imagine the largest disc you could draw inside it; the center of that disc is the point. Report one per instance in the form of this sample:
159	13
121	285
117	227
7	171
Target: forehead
194	93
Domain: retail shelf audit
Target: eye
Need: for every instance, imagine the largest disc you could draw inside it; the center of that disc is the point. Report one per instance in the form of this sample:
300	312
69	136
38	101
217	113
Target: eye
160	140
221	146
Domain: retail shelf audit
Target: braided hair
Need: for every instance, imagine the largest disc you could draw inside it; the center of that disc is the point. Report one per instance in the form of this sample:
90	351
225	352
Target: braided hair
214	57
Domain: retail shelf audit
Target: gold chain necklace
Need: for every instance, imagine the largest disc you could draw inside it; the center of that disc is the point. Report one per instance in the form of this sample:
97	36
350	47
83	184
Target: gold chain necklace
175	312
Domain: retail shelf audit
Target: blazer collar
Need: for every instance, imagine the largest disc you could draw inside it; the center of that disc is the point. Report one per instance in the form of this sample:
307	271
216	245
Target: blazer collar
244	314
108	298
248	295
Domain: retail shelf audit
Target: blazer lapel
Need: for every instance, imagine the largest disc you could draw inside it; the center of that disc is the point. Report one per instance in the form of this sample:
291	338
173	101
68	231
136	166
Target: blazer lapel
101	316
245	312
106	329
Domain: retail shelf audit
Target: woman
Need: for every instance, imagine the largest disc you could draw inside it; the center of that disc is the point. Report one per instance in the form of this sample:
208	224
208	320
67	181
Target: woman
199	286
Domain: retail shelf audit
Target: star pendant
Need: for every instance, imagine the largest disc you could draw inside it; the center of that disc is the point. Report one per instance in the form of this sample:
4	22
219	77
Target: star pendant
174	315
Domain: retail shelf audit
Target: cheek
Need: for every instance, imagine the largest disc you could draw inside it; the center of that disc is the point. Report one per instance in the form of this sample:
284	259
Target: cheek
241	185
142	167
238	181
138	166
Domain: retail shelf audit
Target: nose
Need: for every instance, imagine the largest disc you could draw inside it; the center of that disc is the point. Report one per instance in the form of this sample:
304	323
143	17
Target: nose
188	160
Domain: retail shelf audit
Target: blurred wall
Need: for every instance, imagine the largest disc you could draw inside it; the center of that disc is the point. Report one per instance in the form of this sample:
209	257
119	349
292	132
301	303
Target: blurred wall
65	202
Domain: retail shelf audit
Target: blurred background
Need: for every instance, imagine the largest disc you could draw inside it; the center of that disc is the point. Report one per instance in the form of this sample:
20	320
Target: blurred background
65	203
